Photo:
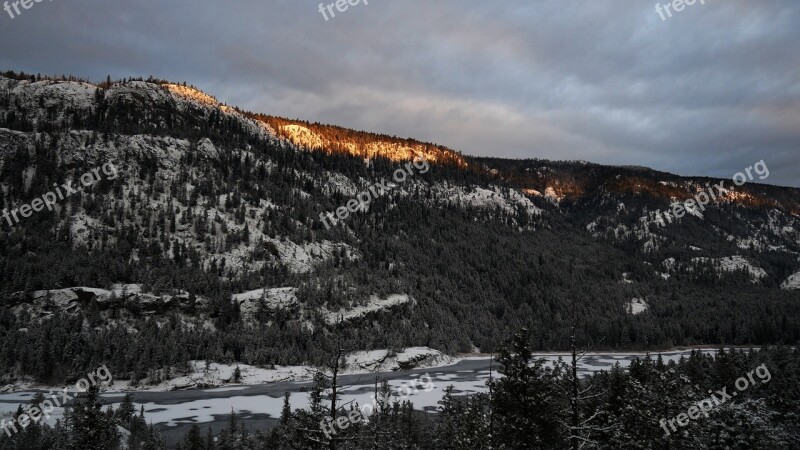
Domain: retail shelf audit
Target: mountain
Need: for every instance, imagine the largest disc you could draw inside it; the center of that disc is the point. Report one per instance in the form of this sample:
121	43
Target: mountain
205	235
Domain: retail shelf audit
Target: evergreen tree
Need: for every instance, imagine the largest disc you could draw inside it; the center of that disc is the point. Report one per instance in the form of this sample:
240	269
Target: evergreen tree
89	426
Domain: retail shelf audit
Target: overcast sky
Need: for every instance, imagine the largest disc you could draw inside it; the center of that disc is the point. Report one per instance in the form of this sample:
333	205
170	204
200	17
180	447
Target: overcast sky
709	91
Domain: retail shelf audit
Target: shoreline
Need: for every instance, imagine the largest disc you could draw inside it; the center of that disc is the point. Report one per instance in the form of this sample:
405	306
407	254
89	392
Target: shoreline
303	374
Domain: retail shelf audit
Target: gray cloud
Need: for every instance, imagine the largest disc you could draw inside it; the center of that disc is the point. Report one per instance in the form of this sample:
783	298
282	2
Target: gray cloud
709	91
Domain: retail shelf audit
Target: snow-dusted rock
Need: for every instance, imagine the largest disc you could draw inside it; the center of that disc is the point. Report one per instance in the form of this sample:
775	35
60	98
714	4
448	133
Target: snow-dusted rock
793	282
375	304
734	263
276	298
636	306
478	197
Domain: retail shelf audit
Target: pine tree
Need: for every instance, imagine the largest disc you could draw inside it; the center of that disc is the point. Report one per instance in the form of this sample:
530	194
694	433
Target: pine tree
526	404
126	410
193	439
210	440
90	427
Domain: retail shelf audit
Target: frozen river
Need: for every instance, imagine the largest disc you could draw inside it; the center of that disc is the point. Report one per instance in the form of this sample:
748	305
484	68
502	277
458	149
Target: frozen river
259	405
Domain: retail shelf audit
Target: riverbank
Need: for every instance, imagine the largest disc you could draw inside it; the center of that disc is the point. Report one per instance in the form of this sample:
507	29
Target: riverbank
204	375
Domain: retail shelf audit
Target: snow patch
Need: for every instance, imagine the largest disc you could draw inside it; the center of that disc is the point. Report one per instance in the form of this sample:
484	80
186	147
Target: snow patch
551	195
478	197
733	264
192	94
374	304
636	306
626	278
793	282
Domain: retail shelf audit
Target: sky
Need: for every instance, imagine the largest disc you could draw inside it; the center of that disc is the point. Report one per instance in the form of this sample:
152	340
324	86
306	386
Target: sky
709	91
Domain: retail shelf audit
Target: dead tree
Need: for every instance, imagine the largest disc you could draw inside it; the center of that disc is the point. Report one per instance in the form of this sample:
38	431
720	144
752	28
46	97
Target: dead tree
580	428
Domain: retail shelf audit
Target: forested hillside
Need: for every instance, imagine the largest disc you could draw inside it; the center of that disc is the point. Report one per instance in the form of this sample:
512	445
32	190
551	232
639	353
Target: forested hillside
211	202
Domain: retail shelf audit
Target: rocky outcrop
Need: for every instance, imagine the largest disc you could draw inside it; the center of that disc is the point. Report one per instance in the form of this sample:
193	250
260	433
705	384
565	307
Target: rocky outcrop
127	296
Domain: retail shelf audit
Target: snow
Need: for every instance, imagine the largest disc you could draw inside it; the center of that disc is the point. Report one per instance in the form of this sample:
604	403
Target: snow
464	382
285	297
692	209
303	136
220	375
171	413
192	94
275	298
734	263
206	148
793	282
636	306
626	278
551	195
367	361
300	258
36	98
338	183
374	304
126	297
532	192
755	243
735	197
217	377
479	197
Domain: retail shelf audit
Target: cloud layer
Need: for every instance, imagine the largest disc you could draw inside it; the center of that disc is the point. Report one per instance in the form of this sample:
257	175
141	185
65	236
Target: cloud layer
710	91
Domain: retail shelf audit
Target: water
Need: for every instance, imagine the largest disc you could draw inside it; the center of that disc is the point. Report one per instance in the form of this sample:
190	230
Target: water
258	406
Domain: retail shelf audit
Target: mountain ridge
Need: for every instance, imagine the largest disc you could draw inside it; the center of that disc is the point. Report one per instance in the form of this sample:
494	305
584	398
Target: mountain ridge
213	205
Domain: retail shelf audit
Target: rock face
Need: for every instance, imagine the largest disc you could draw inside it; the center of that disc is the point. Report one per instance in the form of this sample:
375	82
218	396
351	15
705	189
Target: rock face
276	298
127	296
793	282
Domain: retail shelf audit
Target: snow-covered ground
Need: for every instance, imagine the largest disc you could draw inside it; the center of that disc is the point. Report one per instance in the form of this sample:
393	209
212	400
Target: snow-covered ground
221	375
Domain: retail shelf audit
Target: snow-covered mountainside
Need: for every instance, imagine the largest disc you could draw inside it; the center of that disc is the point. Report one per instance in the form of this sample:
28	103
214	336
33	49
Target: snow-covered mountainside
212	235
